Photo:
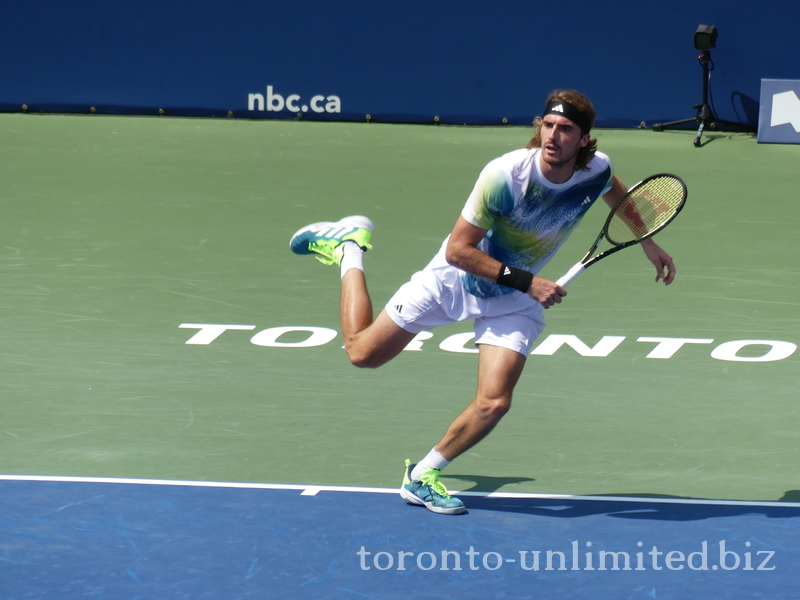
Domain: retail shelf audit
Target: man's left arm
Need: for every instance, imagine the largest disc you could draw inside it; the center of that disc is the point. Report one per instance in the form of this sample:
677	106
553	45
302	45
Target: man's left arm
665	266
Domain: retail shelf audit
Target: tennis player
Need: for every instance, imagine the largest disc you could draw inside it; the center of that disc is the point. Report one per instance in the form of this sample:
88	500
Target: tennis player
523	207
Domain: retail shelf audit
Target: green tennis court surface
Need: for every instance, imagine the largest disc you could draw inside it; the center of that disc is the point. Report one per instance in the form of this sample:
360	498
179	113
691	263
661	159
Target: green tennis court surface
117	231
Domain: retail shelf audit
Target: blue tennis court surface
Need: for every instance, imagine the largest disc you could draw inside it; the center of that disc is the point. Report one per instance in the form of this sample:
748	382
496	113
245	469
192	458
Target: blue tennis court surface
71	538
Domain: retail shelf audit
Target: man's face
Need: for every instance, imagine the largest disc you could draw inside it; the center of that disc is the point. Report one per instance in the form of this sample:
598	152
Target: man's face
561	140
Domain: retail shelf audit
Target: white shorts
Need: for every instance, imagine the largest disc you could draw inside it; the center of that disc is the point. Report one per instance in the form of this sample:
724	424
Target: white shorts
435	296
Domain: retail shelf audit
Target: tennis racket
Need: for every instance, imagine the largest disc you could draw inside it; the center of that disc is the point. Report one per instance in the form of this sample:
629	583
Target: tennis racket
643	211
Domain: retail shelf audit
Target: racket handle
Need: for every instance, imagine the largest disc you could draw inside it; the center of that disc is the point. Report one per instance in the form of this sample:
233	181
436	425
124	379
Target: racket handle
570	275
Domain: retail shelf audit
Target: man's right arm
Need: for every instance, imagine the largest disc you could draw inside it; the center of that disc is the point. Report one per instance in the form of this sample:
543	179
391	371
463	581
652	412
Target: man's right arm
462	252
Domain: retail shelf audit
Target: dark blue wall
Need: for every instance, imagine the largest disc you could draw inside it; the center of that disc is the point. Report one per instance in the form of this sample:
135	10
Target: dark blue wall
468	61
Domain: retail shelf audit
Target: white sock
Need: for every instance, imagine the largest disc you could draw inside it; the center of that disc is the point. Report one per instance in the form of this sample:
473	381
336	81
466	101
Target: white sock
353	257
433	460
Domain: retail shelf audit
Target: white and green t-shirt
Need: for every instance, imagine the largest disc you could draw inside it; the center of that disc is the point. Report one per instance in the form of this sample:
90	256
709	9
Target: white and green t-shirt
528	217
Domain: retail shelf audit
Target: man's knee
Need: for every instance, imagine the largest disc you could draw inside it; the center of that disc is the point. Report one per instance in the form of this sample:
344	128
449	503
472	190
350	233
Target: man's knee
364	356
363	360
495	407
373	348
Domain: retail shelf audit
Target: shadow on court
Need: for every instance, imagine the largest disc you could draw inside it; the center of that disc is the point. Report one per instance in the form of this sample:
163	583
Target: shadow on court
684	510
487	484
791	496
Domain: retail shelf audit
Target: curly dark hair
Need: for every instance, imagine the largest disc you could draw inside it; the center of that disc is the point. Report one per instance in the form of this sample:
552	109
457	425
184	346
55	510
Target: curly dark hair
583	104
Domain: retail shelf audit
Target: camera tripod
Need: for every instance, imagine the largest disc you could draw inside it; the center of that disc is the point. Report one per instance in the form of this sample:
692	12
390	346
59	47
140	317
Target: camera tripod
705	114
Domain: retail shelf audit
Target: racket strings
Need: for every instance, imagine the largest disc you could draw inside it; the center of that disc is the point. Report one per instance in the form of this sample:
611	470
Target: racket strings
646	209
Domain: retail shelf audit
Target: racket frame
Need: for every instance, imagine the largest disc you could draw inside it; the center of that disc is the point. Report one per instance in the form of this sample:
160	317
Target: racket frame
586	262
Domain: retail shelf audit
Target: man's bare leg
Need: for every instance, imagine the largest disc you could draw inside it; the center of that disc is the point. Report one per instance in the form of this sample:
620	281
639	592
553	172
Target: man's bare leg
368	343
499	370
355	308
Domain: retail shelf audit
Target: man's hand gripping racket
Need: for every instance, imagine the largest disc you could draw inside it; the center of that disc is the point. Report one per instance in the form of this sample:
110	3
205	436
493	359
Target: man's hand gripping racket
643	211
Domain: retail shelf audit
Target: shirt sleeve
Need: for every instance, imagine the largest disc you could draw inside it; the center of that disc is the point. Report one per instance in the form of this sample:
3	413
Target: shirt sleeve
610	182
490	198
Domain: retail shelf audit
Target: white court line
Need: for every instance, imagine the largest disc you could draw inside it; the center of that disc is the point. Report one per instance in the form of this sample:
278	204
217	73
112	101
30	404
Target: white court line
313	490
